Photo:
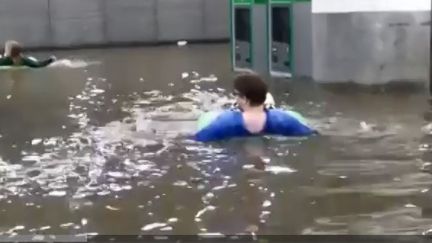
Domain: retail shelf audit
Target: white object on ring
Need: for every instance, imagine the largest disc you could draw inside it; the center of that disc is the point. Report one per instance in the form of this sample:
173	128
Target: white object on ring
269	102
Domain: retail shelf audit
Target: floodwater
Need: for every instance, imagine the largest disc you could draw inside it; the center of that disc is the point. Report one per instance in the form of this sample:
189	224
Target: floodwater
105	148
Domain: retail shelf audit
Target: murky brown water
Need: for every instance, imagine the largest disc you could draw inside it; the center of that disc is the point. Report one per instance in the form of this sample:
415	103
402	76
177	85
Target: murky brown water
105	149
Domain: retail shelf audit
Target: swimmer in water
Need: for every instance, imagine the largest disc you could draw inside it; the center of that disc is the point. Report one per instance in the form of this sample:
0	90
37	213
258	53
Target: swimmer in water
253	117
251	93
269	102
13	56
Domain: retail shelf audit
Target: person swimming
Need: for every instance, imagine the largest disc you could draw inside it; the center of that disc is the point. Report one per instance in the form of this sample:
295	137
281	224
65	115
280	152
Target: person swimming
13	56
253	118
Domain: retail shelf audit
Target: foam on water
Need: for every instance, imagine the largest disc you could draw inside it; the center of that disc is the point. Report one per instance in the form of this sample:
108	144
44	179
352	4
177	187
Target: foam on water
68	63
396	221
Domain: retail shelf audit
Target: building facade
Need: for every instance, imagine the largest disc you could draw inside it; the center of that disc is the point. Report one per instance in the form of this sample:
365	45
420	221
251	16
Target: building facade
272	36
367	41
371	41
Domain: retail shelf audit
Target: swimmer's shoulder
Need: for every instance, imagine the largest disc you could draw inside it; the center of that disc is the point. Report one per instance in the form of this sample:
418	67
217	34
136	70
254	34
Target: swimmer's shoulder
279	114
227	124
283	118
229	117
285	114
289	123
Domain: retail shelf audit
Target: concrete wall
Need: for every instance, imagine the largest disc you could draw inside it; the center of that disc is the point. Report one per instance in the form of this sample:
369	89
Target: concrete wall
25	20
63	23
371	47
371	41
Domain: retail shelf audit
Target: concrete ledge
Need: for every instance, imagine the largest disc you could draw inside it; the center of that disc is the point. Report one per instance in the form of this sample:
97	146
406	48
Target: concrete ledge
124	44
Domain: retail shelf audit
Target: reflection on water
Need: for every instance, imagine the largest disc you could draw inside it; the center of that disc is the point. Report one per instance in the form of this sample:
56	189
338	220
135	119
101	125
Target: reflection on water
105	149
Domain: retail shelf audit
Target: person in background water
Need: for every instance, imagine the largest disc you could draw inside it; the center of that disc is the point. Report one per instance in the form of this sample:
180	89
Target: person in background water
13	56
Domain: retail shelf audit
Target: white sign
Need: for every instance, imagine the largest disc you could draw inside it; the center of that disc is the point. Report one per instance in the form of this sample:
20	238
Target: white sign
347	6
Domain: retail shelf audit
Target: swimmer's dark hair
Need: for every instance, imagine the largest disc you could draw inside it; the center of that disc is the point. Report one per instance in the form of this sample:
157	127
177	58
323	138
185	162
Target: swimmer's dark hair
251	87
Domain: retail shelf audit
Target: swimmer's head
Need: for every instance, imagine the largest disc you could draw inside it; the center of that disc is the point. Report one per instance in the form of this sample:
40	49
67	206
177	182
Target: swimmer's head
251	90
13	49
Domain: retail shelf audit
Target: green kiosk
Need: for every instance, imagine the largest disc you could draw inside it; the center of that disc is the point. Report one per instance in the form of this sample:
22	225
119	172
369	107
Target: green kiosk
272	37
280	42
241	34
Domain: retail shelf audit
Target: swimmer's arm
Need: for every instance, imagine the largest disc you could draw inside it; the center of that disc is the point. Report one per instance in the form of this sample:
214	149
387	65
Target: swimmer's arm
299	129
29	62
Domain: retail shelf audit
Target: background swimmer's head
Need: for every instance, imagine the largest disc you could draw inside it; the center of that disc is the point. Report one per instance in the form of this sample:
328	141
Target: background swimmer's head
251	90
13	49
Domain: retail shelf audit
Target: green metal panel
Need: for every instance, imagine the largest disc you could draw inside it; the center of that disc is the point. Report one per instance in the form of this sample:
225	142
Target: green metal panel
261	1
249	2
241	2
289	1
231	9
268	38
251	54
280	1
277	1
291	53
289	4
269	4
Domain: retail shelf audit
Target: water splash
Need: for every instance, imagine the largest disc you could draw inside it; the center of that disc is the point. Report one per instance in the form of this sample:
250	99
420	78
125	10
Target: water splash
74	64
